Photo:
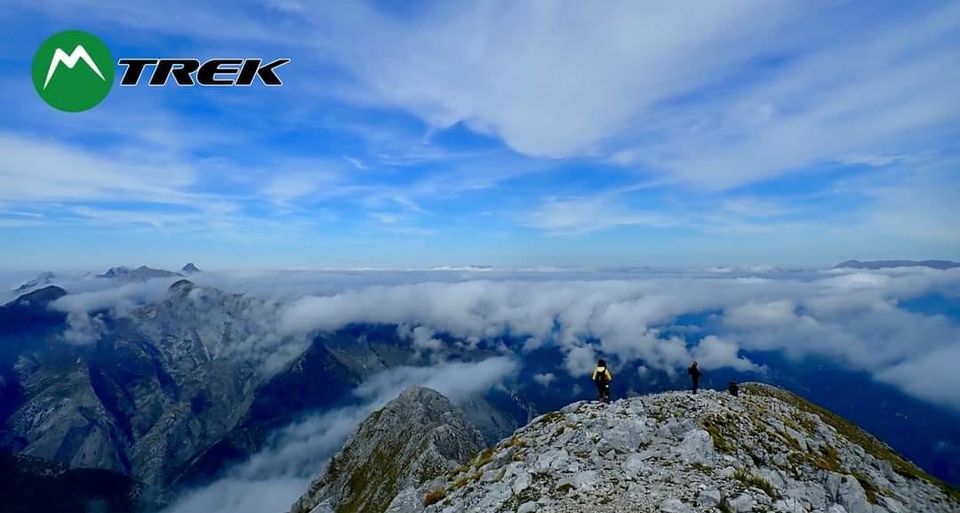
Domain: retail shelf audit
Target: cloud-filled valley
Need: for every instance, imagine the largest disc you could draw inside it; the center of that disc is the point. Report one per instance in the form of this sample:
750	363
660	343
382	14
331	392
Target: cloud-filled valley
273	478
481	198
853	318
873	321
473	331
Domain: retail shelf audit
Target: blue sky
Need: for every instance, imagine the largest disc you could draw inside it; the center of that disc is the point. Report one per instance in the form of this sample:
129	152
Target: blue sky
420	134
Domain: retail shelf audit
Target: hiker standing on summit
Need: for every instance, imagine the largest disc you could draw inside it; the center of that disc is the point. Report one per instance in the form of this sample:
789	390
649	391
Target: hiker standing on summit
601	378
695	374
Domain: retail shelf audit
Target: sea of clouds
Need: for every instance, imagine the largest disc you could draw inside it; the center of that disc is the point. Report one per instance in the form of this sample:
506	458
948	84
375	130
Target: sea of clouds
868	321
863	320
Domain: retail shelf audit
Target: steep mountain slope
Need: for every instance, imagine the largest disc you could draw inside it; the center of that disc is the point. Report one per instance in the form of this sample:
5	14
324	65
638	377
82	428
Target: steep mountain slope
417	437
25	323
673	452
156	387
324	377
174	391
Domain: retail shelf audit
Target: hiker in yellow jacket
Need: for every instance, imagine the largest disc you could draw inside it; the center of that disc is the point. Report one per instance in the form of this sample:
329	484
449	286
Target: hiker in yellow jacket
602	378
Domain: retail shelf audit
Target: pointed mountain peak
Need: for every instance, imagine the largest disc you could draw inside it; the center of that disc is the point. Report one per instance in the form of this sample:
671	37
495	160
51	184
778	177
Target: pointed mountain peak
414	439
190	268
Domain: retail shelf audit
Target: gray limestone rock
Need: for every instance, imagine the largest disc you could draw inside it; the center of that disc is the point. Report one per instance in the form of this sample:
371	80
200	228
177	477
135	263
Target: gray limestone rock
676	453
406	445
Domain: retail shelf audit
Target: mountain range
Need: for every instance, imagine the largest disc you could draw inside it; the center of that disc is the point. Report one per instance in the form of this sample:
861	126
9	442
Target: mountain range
889	264
165	395
141	273
170	394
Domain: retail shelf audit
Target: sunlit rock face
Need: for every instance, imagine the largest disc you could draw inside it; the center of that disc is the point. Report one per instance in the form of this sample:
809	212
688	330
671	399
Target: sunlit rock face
673	452
416	439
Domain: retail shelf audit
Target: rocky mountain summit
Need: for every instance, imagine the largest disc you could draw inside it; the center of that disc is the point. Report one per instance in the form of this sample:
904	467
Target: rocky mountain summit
190	268
416	438
764	451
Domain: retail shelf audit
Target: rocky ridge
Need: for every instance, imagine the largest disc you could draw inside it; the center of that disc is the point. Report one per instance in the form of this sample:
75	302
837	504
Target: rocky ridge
765	451
155	388
416	438
141	273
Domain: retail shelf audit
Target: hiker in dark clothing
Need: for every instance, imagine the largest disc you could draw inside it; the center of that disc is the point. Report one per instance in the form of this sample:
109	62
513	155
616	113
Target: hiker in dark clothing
695	374
733	388
601	378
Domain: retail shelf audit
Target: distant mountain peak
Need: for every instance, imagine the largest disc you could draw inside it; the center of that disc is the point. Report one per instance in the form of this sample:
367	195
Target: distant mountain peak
190	268
888	264
41	296
672	452
44	278
141	273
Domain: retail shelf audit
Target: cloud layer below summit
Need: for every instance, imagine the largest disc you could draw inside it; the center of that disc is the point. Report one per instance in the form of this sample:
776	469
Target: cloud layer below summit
899	325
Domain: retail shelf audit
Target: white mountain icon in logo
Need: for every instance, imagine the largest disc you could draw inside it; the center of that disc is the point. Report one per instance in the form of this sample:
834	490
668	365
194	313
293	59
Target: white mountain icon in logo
70	60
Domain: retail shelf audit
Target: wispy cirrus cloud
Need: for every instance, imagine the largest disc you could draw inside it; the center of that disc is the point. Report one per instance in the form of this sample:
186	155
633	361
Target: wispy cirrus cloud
491	128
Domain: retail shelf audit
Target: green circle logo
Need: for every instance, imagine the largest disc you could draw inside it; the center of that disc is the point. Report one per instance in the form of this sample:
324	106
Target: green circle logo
73	70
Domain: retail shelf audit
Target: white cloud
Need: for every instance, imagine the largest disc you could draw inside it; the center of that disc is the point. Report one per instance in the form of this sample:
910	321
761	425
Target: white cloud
932	376
852	317
294	180
45	170
83	329
93	294
714	352
756	315
626	80
554	79
592	213
423	338
456	380
717	95
544	378
712	97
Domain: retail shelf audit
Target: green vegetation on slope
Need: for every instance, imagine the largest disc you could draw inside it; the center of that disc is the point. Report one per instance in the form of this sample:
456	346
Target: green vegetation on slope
851	432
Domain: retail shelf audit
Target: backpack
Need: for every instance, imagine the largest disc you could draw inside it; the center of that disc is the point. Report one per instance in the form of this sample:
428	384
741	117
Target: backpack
601	378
